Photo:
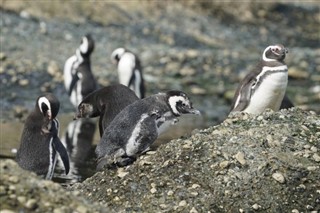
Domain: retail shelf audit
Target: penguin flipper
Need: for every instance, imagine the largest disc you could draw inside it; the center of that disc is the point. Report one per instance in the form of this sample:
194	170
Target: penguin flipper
244	96
58	146
74	80
286	103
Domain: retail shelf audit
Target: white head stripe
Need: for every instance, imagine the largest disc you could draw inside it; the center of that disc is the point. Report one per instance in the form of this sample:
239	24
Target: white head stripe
119	51
85	45
264	54
173	102
45	101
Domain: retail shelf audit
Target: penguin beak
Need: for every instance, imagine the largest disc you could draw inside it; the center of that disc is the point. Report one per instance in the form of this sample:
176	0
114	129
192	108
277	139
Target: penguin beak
76	116
49	114
194	111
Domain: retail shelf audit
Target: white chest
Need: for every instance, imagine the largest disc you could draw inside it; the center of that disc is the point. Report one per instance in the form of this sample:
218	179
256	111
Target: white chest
269	93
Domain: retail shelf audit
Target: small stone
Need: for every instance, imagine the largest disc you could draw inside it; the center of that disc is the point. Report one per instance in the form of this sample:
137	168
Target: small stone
256	206
297	73
194	186
169	193
153	190
121	173
316	157
224	164
6	211
312	168
31	204
21	199
23	82
295	211
82	209
53	68
14	179
278	177
240	158
163	206
193	210
182	203
307	146
3	56
313	149
198	90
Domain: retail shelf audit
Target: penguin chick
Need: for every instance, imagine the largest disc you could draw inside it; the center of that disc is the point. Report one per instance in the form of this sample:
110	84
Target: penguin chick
138	125
129	70
106	102
39	143
78	78
265	86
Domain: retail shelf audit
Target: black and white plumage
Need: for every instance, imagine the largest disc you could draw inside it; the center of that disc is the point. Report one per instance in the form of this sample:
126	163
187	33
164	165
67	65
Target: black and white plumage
138	125
106	102
265	86
129	70
39	140
78	78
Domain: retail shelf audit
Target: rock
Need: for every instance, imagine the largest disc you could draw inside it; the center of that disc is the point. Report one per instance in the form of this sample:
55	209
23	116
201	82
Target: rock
3	56
297	73
316	157
240	158
278	177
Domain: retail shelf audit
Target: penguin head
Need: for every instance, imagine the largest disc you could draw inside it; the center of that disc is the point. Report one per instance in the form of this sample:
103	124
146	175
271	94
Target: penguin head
48	105
275	53
179	103
116	54
86	45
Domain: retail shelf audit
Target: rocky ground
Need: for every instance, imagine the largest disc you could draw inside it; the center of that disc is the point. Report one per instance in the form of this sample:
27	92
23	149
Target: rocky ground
264	163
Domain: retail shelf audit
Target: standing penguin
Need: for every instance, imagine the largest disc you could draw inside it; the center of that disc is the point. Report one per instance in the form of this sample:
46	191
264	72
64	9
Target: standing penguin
265	86
138	125
78	78
106	102
39	139
129	70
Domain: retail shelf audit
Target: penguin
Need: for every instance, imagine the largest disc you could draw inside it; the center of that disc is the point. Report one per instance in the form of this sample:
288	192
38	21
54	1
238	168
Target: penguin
39	142
265	86
78	78
106	103
129	70
137	126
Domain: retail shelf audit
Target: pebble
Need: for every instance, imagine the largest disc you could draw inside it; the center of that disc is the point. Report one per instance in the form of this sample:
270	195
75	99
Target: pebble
224	164
3	56
23	82
278	177
182	203
240	158
153	190
316	157
6	211
256	206
170	193
295	211
193	210
121	173
31	204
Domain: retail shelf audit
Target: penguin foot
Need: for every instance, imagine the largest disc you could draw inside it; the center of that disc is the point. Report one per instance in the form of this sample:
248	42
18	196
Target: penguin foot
125	161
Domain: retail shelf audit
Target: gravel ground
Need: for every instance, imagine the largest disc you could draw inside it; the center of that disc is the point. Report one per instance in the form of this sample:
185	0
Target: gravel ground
263	163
